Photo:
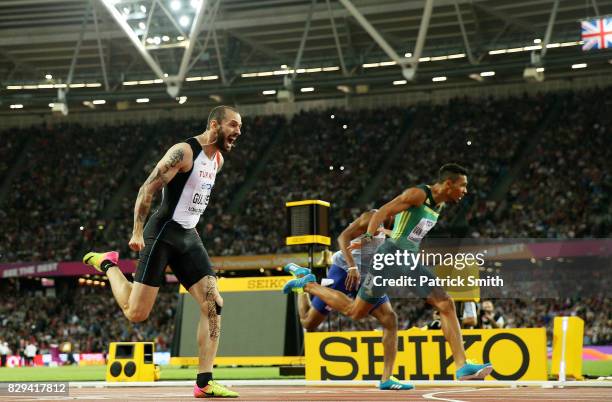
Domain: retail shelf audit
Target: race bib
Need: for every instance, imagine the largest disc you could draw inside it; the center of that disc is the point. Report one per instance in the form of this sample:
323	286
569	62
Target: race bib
421	229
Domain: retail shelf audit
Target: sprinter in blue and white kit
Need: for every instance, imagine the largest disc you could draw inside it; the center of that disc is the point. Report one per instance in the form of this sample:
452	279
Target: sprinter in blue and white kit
346	278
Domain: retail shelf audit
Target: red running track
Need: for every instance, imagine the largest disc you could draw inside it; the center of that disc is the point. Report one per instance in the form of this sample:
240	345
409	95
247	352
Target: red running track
332	393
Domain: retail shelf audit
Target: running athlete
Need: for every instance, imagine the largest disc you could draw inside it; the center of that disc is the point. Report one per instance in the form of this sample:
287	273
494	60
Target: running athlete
416	211
185	175
344	272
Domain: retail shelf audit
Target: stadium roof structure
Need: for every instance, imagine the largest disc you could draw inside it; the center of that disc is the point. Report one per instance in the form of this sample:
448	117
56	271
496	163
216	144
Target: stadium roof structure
253	51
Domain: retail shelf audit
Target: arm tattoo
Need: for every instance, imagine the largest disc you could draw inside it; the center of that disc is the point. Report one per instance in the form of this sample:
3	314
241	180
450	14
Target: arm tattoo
157	180
176	157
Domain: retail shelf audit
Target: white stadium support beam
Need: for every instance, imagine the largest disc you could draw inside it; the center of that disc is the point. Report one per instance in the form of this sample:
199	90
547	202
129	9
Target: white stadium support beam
298	57
410	72
219	57
466	40
133	37
193	37
337	40
210	22
173	82
232	21
77	49
365	24
409	65
549	28
100	52
595	7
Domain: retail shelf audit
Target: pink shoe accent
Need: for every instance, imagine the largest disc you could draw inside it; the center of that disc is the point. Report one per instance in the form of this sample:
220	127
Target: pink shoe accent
112	256
198	392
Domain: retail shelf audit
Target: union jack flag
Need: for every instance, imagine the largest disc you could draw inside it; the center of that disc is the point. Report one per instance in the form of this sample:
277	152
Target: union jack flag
597	33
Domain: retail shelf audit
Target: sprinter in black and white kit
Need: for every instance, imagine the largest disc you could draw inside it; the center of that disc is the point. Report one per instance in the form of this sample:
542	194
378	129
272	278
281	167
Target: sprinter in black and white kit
186	176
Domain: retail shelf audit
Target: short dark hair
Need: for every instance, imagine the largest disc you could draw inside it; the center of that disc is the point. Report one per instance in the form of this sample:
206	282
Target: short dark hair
218	113
451	171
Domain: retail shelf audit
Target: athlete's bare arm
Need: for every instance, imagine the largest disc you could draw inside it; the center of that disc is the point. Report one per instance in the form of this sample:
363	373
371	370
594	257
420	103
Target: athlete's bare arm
177	159
354	230
412	197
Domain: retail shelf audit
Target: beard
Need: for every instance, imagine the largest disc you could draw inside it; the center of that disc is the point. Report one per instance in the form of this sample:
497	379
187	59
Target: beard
220	141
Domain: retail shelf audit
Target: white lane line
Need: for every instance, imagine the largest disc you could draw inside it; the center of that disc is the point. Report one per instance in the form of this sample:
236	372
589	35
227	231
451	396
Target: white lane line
432	395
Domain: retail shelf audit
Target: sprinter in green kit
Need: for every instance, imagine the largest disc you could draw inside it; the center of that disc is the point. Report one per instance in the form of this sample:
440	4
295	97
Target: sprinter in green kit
416	212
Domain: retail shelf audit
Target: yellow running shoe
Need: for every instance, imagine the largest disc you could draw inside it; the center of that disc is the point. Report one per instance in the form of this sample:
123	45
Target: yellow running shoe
95	259
213	390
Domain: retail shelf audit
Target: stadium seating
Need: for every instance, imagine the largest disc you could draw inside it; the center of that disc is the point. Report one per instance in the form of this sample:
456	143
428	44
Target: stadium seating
78	184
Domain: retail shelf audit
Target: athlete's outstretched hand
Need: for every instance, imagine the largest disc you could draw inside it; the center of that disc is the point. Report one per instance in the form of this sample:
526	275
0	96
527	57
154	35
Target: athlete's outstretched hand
136	242
354	245
352	279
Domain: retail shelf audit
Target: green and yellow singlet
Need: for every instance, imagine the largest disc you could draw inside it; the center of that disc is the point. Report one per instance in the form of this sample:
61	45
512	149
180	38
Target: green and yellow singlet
411	225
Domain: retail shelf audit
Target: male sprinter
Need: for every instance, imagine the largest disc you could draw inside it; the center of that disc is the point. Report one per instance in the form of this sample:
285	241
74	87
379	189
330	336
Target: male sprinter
185	175
416	211
345	274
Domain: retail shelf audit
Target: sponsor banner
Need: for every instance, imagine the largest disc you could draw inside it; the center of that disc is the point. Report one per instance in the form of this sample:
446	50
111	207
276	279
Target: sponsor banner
83	359
516	354
601	353
259	261
92	359
250	284
57	269
243	361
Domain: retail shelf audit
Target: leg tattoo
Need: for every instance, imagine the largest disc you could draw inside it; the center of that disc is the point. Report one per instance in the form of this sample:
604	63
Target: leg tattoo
213	318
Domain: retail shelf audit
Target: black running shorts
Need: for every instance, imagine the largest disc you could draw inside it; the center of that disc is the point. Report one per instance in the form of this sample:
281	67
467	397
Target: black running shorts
168	243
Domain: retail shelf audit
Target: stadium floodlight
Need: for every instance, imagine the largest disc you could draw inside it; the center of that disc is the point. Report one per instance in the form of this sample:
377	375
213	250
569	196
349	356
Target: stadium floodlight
131	18
184	20
175	5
